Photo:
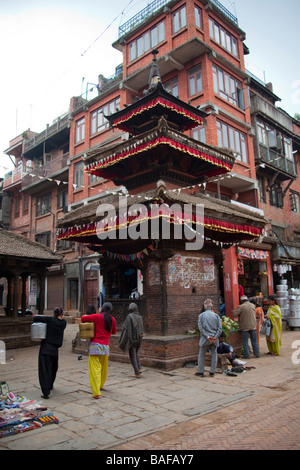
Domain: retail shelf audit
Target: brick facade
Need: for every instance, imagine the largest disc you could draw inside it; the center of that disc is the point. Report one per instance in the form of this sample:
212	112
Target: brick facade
197	48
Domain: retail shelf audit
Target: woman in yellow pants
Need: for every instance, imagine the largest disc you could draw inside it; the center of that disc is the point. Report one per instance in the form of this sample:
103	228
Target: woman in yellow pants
105	326
98	372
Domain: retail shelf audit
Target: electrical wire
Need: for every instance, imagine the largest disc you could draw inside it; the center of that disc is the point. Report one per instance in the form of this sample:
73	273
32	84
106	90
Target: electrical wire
105	29
83	53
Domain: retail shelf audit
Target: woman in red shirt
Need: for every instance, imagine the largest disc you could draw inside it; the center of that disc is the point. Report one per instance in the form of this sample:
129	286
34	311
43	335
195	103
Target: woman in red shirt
105	326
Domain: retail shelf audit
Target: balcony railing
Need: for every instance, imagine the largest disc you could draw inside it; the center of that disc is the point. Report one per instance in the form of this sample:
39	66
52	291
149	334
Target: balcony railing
39	173
225	11
61	123
278	160
16	175
153	7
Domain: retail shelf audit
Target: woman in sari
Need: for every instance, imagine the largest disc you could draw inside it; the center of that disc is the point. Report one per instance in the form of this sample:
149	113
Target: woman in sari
274	314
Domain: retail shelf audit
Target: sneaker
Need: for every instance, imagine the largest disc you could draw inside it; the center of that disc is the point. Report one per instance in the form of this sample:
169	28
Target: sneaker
211	374
199	374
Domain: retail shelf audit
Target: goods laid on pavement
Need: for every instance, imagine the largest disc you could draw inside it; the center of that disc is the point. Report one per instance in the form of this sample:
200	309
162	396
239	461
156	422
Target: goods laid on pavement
18	414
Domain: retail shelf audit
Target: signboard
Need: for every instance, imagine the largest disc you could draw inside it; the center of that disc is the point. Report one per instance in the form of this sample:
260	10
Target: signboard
32	298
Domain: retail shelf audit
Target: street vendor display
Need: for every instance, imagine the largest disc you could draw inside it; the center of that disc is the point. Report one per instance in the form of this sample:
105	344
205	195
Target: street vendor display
18	414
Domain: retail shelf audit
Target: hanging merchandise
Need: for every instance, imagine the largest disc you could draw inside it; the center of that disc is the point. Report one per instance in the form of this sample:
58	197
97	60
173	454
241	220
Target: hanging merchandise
241	271
294	311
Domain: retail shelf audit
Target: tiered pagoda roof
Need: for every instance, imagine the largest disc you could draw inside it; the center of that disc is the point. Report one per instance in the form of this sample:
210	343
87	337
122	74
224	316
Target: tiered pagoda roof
156	150
158	147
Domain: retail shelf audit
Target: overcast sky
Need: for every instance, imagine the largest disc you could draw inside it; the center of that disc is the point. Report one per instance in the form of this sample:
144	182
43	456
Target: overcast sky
51	49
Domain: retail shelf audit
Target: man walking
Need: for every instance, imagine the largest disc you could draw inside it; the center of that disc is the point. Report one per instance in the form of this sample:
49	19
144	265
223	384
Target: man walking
210	328
246	314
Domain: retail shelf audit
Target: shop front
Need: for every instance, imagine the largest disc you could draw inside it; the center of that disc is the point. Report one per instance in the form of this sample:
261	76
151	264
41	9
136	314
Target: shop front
254	272
247	271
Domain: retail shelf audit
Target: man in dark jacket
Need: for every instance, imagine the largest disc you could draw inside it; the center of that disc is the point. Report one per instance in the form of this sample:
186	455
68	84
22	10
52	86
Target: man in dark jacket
48	355
131	336
246	314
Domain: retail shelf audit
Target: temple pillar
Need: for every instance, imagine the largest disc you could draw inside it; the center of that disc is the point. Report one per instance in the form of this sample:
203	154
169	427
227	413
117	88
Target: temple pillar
23	307
8	298
16	295
164	319
231	288
42	294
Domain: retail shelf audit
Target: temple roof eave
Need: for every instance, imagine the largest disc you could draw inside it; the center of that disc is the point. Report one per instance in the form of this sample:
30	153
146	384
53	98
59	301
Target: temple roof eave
222	220
99	159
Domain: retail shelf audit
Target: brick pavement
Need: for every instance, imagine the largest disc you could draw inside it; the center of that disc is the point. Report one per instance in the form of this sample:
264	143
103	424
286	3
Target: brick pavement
268	420
175	410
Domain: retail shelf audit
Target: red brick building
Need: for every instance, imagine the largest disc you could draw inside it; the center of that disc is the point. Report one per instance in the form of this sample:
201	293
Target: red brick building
201	60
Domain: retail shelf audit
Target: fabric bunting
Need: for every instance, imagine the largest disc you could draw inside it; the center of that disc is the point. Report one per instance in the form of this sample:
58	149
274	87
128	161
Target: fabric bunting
160	212
95	168
120	122
128	257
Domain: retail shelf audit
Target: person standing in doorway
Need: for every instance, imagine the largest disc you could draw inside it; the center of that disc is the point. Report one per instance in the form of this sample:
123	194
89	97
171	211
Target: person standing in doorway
105	326
48	354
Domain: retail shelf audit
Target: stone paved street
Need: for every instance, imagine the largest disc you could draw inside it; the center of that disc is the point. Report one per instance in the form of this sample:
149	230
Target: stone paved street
258	409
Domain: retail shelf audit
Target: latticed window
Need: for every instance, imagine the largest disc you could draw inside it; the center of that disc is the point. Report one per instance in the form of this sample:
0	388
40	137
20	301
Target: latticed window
276	196
294	201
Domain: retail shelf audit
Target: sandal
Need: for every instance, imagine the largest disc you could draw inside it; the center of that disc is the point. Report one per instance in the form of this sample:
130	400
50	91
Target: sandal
228	372
97	397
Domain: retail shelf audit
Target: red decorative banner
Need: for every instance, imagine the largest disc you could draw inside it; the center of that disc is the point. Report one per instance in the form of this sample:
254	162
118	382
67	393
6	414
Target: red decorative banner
120	122
96	167
105	226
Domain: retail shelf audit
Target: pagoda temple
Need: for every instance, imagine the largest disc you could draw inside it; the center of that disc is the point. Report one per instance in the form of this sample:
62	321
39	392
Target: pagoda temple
157	242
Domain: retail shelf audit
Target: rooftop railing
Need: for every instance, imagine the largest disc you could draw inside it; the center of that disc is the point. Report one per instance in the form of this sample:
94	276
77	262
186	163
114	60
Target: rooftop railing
153	7
225	11
61	123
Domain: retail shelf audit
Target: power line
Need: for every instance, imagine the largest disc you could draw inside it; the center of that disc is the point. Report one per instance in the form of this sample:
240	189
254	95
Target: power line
83	53
105	29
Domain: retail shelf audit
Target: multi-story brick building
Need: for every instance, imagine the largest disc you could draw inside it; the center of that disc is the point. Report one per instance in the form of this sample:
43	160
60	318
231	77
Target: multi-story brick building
201	60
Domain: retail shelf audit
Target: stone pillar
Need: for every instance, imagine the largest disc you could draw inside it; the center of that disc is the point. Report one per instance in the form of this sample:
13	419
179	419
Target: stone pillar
24	279
42	294
8	297
16	296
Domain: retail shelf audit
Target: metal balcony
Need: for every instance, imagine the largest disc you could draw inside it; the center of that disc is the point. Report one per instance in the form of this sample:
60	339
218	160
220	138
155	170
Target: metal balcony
276	160
153	7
